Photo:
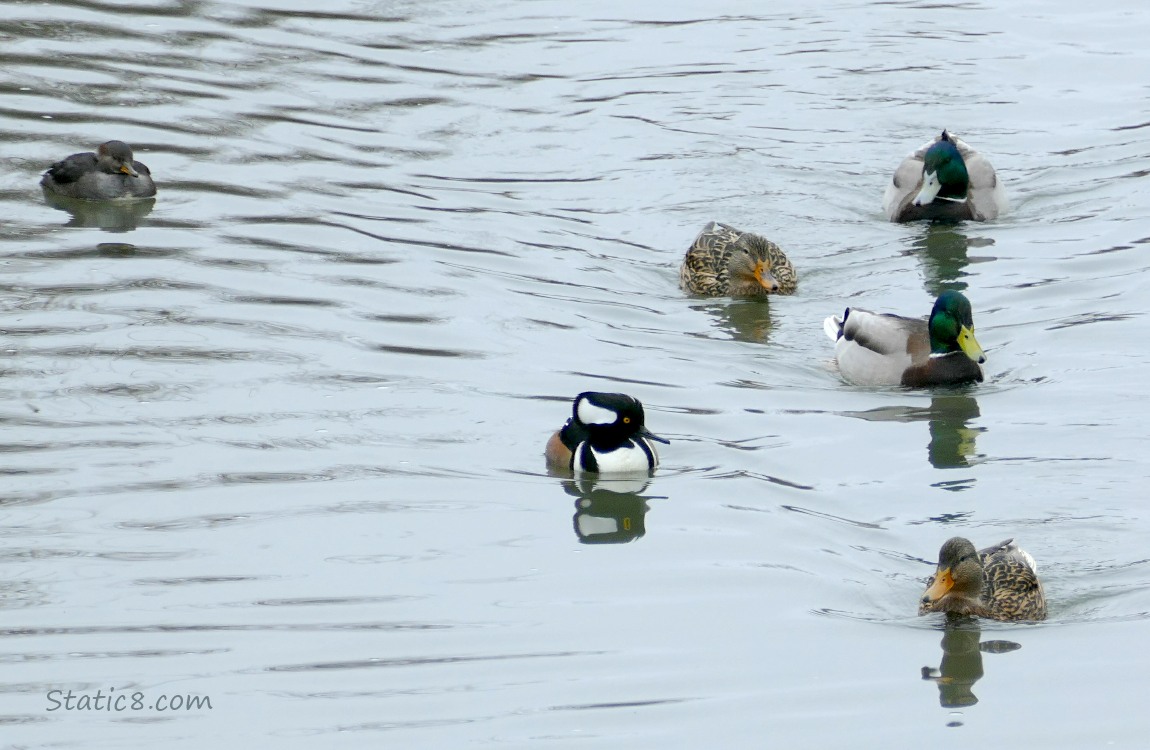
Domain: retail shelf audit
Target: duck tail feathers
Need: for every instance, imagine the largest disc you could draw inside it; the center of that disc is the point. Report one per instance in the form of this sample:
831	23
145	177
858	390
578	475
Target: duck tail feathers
833	326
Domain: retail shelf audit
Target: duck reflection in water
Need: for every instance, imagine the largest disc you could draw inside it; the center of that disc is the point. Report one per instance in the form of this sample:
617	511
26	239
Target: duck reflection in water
111	216
952	437
961	665
942	249
608	511
746	320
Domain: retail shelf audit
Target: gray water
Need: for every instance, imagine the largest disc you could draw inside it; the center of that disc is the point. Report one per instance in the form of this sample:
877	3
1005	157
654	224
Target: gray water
276	441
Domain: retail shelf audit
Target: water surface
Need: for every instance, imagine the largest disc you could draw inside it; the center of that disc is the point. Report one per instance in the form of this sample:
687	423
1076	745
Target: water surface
276	439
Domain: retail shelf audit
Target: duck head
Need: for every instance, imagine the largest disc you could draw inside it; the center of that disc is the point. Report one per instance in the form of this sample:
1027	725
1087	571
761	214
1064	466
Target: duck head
611	419
957	583
951	327
115	157
944	174
749	272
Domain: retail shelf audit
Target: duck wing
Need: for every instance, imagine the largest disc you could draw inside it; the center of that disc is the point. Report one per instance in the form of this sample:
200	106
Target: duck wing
904	186
986	195
877	349
704	269
906	183
1011	589
72	168
886	334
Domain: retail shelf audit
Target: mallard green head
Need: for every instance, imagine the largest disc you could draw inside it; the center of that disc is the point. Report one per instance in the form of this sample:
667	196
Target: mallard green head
944	173
951	327
957	583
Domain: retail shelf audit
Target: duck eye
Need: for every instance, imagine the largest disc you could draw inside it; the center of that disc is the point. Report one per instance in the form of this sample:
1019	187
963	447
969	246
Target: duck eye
626	420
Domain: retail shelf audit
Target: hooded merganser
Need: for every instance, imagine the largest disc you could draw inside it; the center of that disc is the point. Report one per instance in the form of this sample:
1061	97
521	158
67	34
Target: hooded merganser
109	174
605	434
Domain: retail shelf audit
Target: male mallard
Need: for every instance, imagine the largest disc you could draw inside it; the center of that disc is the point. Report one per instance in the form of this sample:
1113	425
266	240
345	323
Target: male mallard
999	582
605	434
725	261
885	349
945	179
109	174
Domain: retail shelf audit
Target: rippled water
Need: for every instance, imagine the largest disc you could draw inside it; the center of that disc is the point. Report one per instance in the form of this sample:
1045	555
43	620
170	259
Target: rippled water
276	439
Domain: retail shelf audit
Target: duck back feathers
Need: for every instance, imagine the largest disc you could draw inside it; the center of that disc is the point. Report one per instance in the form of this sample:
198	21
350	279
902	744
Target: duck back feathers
1011	589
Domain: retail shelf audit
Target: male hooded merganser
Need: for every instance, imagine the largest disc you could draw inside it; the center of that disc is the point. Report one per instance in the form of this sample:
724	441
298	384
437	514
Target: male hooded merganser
109	174
605	434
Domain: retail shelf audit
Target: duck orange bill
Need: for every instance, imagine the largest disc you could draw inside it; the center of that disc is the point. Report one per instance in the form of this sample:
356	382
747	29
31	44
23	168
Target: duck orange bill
127	169
644	432
765	278
943	583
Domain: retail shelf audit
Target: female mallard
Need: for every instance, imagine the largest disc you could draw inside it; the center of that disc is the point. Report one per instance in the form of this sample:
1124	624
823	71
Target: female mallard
945	179
874	349
109	174
999	582
725	261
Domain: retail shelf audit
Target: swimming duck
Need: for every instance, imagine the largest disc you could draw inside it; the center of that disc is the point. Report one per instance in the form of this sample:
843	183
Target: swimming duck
604	434
999	582
945	179
725	261
885	349
109	174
